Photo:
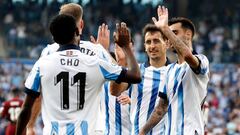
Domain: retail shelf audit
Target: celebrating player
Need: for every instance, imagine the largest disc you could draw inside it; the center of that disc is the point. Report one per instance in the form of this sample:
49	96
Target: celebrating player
86	47
186	80
144	94
70	81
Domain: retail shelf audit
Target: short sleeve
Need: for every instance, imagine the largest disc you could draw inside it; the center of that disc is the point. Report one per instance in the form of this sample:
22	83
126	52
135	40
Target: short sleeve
50	48
3	110
203	68
45	51
111	71
32	82
163	91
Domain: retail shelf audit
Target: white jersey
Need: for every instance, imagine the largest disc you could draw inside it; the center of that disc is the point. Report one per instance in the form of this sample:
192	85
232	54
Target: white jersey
144	98
90	49
186	90
117	116
70	86
86	47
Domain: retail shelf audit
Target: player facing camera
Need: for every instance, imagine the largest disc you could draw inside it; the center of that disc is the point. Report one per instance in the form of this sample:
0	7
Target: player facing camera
64	30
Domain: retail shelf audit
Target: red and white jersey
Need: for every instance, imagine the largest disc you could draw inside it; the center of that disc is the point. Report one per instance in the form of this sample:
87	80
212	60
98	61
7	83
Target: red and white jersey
11	109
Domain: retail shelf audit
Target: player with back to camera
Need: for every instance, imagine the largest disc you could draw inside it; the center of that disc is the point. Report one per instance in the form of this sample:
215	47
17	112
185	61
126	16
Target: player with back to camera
69	73
186	81
86	47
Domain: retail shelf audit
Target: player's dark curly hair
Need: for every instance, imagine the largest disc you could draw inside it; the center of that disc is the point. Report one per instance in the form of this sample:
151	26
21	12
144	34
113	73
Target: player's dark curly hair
152	28
186	23
63	28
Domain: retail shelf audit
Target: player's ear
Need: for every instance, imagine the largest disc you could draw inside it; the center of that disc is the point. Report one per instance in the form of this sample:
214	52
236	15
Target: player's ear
188	34
81	25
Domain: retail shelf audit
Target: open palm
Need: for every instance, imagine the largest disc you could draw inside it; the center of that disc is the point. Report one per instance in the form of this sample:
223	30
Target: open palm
162	17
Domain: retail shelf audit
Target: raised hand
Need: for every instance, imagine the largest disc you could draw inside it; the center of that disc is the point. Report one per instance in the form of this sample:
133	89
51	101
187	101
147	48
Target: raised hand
122	35
120	56
162	17
103	37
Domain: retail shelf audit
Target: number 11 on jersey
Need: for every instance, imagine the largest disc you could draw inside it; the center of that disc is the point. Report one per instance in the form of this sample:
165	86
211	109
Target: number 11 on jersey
80	80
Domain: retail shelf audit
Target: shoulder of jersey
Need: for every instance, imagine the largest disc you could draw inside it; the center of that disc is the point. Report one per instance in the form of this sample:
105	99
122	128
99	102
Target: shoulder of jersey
50	48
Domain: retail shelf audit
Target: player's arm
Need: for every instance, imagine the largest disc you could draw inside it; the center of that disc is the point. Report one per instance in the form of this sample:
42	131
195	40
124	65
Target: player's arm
115	88
158	113
32	89
36	109
3	110
179	44
103	36
123	40
25	113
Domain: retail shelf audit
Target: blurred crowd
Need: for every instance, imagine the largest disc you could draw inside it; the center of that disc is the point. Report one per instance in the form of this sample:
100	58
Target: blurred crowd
223	98
24	31
24	25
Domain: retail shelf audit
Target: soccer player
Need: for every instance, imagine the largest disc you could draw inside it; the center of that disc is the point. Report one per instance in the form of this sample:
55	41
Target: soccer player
186	81
144	94
116	110
86	47
10	111
70	81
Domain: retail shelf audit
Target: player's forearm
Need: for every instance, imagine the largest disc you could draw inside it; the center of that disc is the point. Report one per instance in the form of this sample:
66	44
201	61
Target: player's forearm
178	44
36	109
152	122
132	65
23	119
181	47
156	116
116	89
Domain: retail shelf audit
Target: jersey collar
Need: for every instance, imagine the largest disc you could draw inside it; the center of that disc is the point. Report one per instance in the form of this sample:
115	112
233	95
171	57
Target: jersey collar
68	46
147	63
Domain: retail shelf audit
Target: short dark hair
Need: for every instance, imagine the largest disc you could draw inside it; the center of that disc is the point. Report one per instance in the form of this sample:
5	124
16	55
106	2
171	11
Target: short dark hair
63	28
186	23
15	92
152	28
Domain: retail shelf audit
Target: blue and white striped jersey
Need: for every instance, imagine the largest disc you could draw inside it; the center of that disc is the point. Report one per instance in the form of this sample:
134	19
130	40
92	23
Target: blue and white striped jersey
186	90
144	98
117	116
70	84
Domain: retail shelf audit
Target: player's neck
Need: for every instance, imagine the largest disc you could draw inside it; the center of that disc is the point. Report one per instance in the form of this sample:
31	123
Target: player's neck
158	62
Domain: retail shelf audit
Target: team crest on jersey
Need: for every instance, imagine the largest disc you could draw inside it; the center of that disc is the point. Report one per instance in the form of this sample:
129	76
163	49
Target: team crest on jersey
69	53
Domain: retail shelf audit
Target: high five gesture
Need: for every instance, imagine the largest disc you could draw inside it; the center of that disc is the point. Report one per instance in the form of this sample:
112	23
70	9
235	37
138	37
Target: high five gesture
162	17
